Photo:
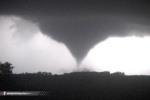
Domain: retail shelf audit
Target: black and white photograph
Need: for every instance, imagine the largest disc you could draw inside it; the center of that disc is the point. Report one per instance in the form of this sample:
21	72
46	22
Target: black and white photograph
75	49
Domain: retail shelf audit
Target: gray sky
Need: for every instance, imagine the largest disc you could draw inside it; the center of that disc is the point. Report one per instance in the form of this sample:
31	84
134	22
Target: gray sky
29	50
77	24
81	24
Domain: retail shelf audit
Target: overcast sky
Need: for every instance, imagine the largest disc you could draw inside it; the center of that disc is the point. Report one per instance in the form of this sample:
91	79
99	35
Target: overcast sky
70	27
29	50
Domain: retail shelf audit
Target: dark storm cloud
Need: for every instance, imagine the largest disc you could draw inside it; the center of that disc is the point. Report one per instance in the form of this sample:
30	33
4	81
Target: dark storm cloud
81	24
33	53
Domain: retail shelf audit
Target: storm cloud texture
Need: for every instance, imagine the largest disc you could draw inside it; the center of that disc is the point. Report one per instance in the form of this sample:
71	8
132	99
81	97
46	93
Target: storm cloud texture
81	24
29	50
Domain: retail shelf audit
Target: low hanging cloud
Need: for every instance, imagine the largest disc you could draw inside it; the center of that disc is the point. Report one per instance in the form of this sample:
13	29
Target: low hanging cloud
81	24
29	50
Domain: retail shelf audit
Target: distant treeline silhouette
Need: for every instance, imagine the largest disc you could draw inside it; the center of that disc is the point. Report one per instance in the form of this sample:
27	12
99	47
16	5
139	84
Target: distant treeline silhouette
80	85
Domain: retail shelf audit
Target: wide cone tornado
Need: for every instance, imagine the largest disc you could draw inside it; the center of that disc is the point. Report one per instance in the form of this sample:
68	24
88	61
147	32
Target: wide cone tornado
81	24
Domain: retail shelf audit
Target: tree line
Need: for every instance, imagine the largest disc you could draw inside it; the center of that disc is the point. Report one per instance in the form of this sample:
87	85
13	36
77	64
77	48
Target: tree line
78	85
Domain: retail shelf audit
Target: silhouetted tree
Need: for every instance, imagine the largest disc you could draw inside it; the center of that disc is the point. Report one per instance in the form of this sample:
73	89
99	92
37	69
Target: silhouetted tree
119	73
6	68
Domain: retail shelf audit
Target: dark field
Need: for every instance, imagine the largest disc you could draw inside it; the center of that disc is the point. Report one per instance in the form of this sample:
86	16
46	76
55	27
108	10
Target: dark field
81	85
